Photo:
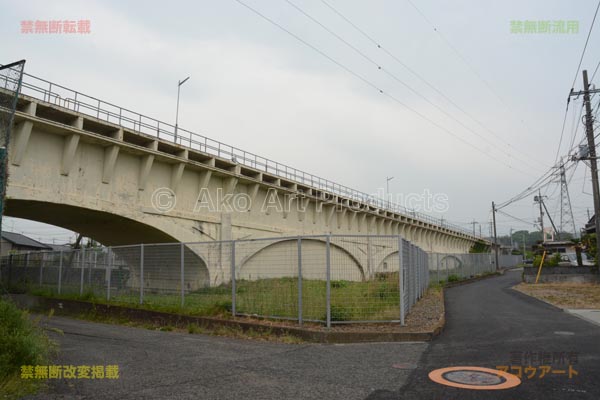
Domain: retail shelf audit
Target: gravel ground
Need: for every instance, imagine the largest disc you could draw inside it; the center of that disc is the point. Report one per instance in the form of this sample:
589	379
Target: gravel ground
564	295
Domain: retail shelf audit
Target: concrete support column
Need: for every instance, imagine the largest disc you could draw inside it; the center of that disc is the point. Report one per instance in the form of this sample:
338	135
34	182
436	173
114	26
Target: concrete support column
146	165
22	133
177	170
110	157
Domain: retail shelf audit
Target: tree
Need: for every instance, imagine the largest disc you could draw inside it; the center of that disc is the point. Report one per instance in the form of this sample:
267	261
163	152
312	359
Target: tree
589	242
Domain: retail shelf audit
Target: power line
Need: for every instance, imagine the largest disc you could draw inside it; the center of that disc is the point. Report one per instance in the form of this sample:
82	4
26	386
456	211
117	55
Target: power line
425	81
594	74
562	131
393	76
464	60
515	218
585	47
372	85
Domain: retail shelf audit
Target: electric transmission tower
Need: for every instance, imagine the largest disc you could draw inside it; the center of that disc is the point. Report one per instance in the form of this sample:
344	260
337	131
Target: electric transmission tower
567	222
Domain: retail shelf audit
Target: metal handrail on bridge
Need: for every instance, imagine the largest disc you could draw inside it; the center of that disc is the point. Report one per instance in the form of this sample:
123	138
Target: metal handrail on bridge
62	96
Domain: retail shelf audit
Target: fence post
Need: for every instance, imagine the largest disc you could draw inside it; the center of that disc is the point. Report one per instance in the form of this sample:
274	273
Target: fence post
401	279
90	268
41	267
300	281
328	277
233	288
60	263
182	250
82	267
447	276
10	263
108	272
142	273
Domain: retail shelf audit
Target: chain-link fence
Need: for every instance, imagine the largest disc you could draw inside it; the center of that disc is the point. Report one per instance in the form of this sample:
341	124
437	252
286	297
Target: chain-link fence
328	279
452	267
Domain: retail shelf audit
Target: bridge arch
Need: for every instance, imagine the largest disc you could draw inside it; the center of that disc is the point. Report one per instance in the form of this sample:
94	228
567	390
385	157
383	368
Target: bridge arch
105	227
263	259
161	263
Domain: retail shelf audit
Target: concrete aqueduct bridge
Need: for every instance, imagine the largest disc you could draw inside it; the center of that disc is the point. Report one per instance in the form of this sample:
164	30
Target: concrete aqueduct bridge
110	174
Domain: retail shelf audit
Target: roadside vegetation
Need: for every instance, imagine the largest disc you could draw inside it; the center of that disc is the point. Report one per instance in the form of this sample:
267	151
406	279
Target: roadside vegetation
350	301
22	342
551	260
452	278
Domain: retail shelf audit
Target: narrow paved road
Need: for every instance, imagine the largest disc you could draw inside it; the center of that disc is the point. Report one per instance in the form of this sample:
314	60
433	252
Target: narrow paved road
170	365
488	324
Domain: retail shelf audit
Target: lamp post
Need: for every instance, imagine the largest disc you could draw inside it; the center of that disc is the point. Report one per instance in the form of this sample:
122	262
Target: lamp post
387	187
177	112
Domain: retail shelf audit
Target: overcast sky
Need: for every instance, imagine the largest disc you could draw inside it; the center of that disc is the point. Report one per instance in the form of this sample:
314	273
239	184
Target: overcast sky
257	87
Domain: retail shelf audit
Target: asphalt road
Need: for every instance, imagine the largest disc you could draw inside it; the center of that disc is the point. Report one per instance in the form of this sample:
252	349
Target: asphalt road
487	324
170	365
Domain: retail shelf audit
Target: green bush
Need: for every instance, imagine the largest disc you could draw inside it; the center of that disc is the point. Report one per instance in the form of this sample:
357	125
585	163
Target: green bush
551	260
21	343
340	313
220	308
453	278
339	284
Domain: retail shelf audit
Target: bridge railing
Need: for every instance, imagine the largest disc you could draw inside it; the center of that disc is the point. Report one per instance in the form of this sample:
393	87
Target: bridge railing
73	100
326	279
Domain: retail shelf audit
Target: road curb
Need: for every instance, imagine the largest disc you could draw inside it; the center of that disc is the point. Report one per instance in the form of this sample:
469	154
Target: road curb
74	308
571	311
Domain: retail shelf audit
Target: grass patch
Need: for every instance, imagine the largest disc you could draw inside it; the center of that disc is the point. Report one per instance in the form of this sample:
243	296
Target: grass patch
22	342
350	301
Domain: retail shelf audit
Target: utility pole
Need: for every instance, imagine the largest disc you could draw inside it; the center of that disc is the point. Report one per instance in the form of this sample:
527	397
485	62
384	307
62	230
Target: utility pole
474	222
523	244
551	221
589	130
511	240
538	199
495	235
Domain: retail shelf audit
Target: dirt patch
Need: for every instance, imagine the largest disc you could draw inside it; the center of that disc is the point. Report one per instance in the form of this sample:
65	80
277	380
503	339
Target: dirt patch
564	295
427	315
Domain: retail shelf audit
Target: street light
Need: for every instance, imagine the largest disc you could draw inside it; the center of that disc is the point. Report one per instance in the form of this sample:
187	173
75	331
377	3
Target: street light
387	187
177	113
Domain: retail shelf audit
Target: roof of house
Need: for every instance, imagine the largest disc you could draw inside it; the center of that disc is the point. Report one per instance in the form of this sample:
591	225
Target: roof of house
590	227
22	240
58	247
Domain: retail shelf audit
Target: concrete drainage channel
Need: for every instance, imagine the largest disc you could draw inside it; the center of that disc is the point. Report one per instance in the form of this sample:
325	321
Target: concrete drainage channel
75	308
